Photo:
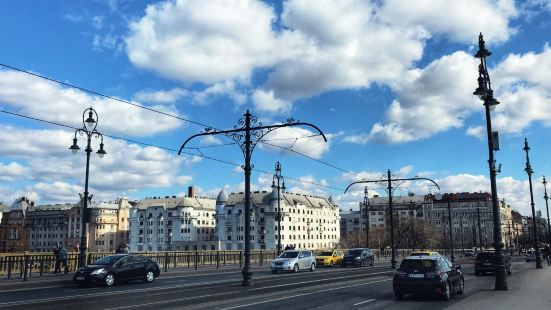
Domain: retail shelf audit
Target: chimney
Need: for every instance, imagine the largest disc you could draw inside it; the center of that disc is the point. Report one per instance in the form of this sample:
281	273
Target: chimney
191	191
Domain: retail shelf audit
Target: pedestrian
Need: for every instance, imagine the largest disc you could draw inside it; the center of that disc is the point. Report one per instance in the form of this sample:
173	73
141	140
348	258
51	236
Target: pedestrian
63	258
126	249
546	255
57	261
119	250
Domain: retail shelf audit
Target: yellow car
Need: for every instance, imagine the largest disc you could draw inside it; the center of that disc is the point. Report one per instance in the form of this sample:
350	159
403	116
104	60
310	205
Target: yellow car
329	258
424	253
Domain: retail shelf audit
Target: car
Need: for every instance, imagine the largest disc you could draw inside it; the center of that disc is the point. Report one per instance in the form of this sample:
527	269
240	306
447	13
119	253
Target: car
294	261
117	268
358	257
428	275
329	258
530	255
424	253
469	253
485	262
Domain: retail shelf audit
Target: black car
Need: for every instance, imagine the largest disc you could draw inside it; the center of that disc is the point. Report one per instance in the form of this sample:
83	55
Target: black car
428	275
109	270
358	257
485	262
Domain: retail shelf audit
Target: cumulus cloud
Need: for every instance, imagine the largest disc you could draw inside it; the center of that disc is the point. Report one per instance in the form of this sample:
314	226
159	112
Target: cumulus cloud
298	139
454	18
168	96
203	41
125	168
478	132
12	171
50	101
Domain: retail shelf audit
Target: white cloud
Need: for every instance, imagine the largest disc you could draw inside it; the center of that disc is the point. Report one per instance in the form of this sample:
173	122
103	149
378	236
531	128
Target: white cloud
298	139
168	96
203	41
125	168
427	102
460	20
184	179
47	100
12	171
264	101
478	132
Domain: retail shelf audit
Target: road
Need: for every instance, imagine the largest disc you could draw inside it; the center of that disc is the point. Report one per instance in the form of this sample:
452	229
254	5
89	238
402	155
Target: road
331	288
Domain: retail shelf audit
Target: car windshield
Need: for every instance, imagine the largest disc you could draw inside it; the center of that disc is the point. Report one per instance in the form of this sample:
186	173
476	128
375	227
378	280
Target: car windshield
326	253
355	252
107	260
289	254
486	255
419	253
531	252
418	264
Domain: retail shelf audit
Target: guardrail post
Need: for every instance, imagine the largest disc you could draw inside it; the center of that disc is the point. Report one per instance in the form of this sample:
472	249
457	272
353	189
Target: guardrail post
217	259
166	261
9	266
224	254
41	265
261	258
196	259
26	268
21	266
240	260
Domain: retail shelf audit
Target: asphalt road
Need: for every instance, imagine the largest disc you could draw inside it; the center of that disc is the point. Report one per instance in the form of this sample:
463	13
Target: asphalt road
331	288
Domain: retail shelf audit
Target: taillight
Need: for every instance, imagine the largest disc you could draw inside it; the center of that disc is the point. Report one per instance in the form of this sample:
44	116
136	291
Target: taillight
434	274
400	273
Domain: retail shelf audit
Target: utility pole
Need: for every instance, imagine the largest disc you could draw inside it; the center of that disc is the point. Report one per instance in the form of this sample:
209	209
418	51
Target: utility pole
247	136
479	229
389	181
529	171
366	216
547	208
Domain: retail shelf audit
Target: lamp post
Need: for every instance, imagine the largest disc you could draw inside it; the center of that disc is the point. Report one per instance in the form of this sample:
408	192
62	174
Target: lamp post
485	93
439	197
88	130
529	171
547	208
278	177
247	136
389	181
366	216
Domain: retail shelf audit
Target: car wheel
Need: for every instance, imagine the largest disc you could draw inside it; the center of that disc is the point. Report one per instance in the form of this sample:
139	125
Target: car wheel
295	268
509	270
371	264
109	279
313	267
361	263
477	273
274	271
149	276
343	265
399	295
461	286
331	264
447	293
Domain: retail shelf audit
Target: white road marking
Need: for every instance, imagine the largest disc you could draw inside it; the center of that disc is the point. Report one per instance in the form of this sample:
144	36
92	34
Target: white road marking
363	302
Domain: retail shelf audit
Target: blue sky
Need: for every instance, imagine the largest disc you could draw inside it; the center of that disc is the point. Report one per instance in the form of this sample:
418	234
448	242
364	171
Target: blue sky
389	83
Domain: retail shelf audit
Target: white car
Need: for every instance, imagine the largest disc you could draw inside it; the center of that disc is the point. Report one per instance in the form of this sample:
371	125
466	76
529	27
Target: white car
294	260
530	255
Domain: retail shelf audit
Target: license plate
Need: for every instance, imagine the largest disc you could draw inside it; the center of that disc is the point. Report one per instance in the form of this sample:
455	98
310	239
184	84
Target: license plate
278	267
80	278
487	264
416	275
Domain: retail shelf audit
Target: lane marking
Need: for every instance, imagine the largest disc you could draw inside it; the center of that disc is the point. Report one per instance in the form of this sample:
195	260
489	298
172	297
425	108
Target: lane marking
305	294
363	302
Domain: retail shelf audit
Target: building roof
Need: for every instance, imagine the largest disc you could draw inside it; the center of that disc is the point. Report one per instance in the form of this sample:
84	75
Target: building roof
222	197
60	207
264	197
174	202
20	204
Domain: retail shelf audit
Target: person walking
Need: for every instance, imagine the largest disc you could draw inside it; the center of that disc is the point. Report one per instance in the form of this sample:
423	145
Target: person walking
63	258
546	255
57	261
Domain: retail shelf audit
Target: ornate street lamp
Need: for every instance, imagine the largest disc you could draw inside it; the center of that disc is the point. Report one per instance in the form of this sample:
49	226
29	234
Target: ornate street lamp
486	94
547	208
529	171
278	177
247	137
89	131
366	217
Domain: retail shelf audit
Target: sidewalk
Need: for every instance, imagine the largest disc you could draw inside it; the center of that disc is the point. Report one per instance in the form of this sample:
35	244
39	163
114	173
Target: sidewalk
527	290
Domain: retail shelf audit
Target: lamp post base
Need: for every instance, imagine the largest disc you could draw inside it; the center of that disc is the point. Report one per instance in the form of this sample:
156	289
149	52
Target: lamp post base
247	277
501	279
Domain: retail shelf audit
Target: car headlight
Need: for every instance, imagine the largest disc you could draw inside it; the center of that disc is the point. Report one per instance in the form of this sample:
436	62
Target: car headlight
286	263
357	258
99	271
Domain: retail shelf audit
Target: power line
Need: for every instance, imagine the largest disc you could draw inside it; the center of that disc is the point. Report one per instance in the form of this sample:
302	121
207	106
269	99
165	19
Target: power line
164	148
176	117
103	95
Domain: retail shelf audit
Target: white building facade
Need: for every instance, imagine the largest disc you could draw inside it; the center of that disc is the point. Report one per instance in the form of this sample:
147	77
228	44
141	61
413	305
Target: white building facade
307	221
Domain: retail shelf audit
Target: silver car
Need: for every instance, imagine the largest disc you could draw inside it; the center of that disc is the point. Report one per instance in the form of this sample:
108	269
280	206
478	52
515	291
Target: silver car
294	260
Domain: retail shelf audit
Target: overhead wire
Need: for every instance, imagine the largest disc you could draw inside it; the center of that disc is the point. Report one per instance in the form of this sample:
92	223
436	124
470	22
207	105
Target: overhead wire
165	148
178	117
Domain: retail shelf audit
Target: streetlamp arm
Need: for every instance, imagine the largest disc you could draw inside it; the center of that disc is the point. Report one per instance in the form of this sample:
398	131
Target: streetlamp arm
392	180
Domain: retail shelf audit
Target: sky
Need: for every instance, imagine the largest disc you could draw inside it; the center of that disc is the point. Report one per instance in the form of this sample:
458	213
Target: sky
389	83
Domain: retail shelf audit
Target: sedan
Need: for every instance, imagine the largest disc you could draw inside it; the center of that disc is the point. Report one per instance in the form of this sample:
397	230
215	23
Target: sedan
294	260
358	257
112	269
428	275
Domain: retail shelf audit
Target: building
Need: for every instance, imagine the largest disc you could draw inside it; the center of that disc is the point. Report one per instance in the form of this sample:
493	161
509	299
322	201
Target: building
306	221
47	226
13	233
109	225
173	223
